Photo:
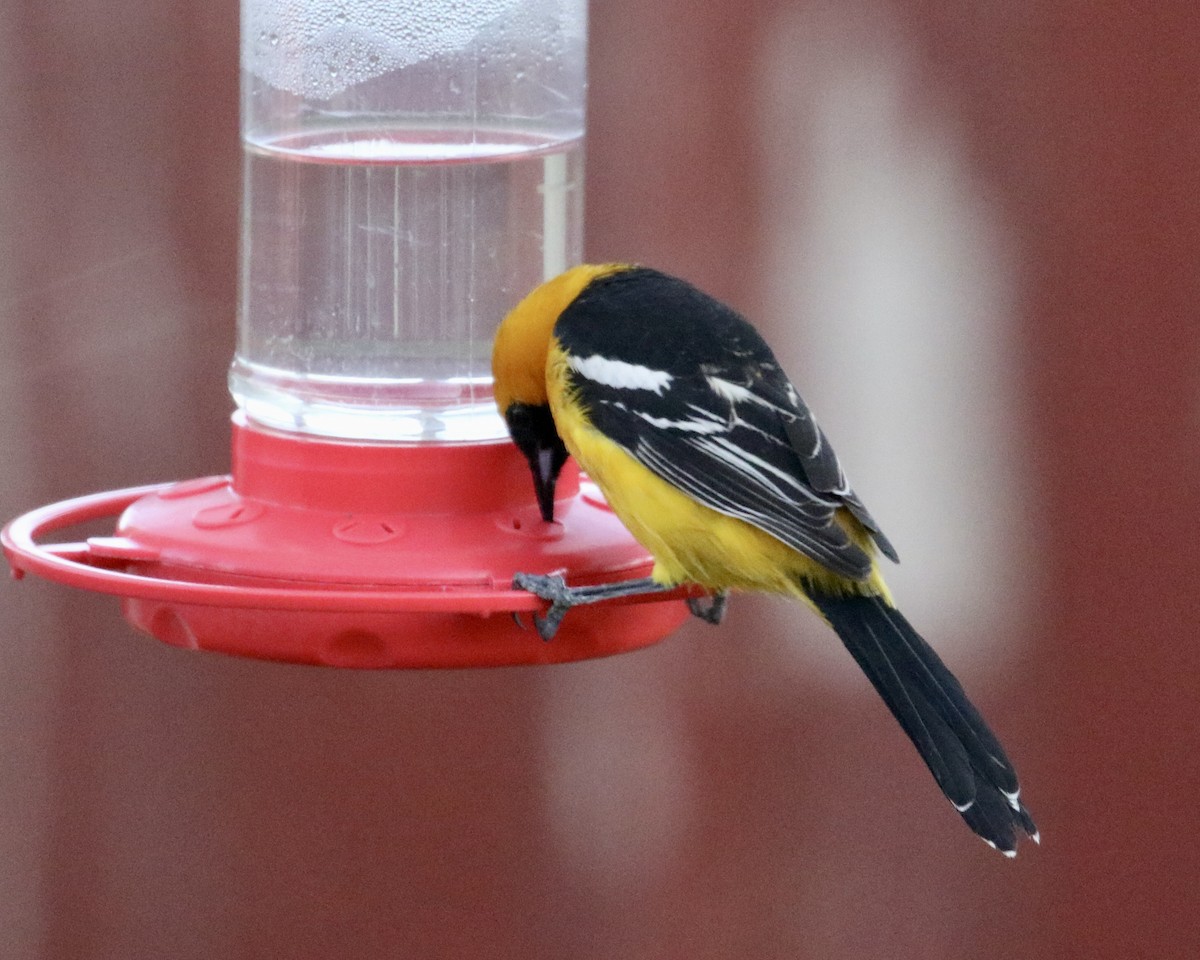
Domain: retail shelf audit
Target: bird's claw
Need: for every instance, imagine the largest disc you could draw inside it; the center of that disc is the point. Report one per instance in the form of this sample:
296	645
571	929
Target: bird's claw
553	588
710	609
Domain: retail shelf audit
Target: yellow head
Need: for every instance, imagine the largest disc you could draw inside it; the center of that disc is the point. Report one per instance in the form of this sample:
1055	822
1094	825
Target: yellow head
519	371
523	340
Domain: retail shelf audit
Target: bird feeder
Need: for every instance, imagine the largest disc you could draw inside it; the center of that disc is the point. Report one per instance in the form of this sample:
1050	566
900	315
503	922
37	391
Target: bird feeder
411	169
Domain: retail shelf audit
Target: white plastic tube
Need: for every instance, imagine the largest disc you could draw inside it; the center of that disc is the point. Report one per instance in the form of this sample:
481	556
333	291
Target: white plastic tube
412	168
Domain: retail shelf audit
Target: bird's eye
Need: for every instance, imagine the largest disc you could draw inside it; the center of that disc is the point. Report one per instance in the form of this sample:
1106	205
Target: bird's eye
529	424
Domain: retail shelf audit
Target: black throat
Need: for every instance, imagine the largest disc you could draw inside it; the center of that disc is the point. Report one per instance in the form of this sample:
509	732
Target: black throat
532	429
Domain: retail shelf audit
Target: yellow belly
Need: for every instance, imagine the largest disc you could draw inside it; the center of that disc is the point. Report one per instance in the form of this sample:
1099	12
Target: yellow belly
692	543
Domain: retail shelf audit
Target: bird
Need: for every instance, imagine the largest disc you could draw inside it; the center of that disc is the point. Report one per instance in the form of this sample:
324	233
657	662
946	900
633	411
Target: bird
677	409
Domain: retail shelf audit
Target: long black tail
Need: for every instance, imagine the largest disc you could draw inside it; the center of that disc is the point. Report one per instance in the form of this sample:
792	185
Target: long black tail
962	753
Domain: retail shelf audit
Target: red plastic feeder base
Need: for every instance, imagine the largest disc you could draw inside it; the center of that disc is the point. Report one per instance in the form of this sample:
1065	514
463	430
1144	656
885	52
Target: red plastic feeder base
354	555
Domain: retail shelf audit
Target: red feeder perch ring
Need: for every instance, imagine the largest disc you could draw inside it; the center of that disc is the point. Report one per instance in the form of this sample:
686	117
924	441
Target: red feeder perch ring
353	555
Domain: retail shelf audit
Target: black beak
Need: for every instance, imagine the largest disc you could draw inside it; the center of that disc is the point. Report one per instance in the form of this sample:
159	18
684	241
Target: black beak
546	464
533	431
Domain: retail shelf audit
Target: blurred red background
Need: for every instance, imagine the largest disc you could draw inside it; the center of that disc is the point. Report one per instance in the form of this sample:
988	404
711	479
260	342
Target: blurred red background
973	233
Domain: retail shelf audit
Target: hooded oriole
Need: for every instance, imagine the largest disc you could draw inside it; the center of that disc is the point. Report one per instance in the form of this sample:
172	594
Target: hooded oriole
678	410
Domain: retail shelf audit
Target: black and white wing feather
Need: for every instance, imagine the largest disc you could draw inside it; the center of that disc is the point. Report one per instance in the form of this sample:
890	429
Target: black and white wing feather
689	388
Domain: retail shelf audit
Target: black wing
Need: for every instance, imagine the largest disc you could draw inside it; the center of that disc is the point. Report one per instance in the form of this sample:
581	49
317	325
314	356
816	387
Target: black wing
689	388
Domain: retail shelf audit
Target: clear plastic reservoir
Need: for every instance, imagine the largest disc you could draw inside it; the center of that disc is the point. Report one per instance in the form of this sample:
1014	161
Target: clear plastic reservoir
412	169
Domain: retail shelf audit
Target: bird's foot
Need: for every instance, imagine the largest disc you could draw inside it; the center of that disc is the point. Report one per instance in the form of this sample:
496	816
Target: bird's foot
562	598
553	588
710	609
